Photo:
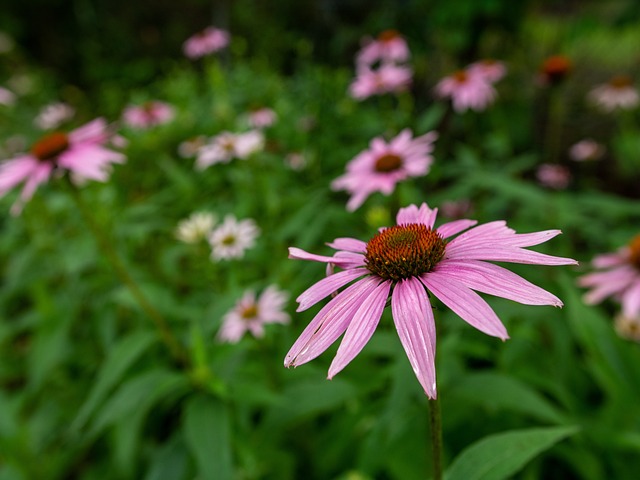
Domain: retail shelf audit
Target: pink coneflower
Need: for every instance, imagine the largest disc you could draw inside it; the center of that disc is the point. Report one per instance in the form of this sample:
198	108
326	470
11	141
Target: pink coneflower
409	261
388	47
618	94
466	90
383	165
148	114
226	146
586	150
190	147
553	176
554	69
251	314
232	238
295	161
491	70
53	115
7	97
262	117
209	40
80	152
619	278
387	78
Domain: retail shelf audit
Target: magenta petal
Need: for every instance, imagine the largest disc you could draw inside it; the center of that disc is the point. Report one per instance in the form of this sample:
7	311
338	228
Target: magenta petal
631	300
299	254
361	328
414	321
327	286
465	303
449	229
494	280
499	253
349	244
330	322
413	214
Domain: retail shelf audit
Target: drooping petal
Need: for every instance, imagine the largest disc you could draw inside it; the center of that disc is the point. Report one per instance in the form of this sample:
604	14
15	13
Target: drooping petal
361	327
414	321
349	244
327	286
299	254
465	303
413	214
330	322
449	229
495	280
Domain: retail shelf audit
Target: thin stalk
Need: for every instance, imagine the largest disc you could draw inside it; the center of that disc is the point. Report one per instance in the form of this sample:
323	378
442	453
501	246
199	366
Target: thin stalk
166	335
436	437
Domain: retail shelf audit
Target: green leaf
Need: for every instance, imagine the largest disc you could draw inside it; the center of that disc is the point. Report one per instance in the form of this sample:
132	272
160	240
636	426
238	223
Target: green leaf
500	456
207	432
121	357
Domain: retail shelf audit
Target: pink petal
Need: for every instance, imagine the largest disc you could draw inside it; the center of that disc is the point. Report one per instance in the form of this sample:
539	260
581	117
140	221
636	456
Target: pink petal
449	229
299	254
349	244
465	303
412	214
327	286
361	327
499	253
414	321
631	300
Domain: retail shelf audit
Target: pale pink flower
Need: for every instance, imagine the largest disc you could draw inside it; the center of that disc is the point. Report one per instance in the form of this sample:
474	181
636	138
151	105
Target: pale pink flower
466	90
586	150
232	238
53	115
491	70
618	94
251	314
81	152
148	115
553	176
226	146
209	40
295	160
388	47
383	165
262	117
410	262
7	97
190	147
456	208
619	278
388	78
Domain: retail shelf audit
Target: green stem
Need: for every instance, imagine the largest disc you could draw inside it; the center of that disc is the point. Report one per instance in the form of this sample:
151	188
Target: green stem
175	348
436	437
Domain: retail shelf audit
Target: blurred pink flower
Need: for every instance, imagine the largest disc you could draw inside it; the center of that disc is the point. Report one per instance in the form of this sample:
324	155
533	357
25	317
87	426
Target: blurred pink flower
456	208
619	93
410	262
388	47
209	40
619	278
53	115
383	165
262	117
80	152
232	238
628	327
388	78
7	97
586	150
466	90
148	114
295	160
226	146
251	314
553	176
554	70
491	70
190	147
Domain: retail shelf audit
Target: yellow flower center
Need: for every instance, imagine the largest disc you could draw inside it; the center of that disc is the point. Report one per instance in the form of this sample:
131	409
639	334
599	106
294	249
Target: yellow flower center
404	251
249	312
621	81
634	252
556	67
461	76
229	240
388	35
388	163
49	147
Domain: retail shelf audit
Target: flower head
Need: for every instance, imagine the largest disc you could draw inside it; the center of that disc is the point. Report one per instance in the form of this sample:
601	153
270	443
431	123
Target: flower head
53	115
406	262
251	314
195	228
148	114
383	165
190	147
7	97
227	145
232	238
618	277
555	69
262	117
492	70
628	327
81	152
553	176
586	150
203	43
388	47
467	90
618	94
388	78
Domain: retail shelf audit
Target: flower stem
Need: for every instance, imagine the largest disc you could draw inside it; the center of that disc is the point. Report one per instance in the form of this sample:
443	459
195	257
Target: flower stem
166	335
436	437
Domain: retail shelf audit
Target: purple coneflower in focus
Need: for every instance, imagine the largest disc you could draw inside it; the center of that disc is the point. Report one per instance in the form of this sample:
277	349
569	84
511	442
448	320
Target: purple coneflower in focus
148	114
389	47
492	70
209	40
619	278
618	94
408	262
388	78
383	165
81	152
553	176
251	314
467	90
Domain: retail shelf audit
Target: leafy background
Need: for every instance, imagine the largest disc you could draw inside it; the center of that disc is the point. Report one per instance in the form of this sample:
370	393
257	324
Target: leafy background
88	391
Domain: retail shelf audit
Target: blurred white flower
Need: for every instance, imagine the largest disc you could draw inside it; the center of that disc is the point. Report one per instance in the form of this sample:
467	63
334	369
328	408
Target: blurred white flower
7	97
618	93
586	150
232	238
53	115
227	145
195	228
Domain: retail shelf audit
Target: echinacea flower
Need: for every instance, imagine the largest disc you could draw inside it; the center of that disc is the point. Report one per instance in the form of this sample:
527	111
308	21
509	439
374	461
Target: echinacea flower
148	115
492	70
262	117
190	147
554	69
618	94
251	314
231	238
7	97
467	90
226	146
196	228
628	327
586	150
408	262
383	165
388	47
209	40
553	176
388	78
618	277
81	152
53	115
